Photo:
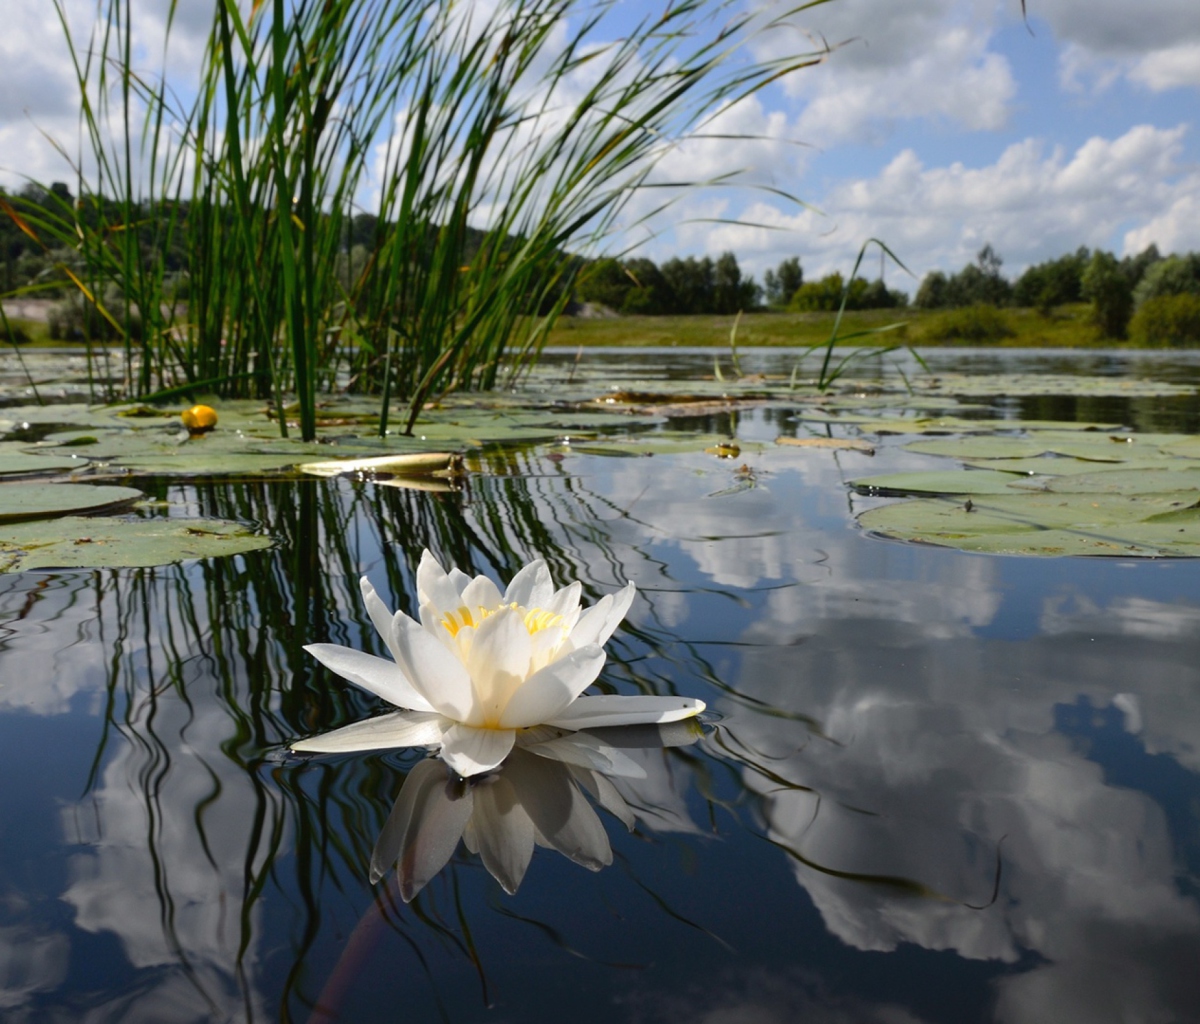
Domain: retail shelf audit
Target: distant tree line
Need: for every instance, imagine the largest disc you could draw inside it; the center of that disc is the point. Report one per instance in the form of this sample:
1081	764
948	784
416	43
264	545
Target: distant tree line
1149	297
690	286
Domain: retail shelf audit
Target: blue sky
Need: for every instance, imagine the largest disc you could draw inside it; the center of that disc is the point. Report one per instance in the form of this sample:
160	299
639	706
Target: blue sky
936	125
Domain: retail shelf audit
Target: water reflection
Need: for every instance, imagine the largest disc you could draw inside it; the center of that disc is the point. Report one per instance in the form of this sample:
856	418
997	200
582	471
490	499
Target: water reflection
886	710
536	796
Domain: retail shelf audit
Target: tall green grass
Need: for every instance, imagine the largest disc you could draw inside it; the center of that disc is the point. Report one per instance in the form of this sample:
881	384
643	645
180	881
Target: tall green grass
495	145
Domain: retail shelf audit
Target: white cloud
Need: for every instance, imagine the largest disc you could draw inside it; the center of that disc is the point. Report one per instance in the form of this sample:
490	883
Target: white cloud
1155	43
1089	868
39	90
923	59
1114	27
1030	204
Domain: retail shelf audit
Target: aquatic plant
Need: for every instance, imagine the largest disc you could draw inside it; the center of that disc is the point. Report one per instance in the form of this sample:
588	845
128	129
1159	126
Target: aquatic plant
389	194
481	669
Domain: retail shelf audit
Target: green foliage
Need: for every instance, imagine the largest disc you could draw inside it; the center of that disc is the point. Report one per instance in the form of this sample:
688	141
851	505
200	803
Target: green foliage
979	324
1053	283
1135	267
783	282
250	192
1109	292
932	292
1175	275
1167	320
978	282
826	294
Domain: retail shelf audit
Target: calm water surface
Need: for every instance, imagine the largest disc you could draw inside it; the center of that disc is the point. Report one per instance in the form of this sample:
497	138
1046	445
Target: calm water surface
937	787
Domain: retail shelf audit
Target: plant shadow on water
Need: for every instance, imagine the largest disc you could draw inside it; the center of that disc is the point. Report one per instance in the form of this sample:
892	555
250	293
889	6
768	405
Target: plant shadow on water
935	787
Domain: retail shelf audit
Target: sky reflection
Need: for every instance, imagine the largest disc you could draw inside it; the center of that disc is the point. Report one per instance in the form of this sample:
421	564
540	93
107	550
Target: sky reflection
883	710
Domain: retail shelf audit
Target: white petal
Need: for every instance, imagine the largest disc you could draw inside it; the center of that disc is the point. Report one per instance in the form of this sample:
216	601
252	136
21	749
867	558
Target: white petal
588	751
470	751
594	712
531	587
561	814
434	587
376	675
423	829
565	602
481	593
503	832
434	671
460	580
548	692
381	614
397	729
606	795
597	624
498	663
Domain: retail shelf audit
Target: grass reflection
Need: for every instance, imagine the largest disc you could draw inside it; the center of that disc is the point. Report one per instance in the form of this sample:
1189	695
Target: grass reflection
193	808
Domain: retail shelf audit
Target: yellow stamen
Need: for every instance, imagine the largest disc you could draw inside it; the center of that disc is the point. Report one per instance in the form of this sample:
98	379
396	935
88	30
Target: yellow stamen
535	619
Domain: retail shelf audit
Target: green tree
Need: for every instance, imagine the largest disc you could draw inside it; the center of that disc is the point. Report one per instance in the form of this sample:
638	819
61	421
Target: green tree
782	282
1054	282
693	283
733	293
827	293
933	291
1167	320
1175	275
1109	292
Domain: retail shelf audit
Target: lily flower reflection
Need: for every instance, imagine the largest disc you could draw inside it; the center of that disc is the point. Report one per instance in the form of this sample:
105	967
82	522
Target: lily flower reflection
480	666
535	798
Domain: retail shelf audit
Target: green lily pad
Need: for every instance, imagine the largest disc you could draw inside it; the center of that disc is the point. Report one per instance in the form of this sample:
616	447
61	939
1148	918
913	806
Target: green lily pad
1045	524
951	481
664	443
1142	480
14	458
48	500
979	446
93	543
1059	465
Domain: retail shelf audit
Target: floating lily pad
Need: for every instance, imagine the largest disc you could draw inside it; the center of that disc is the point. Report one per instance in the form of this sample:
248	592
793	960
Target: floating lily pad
847	444
664	443
1049	524
951	481
93	543
1061	465
1143	480
15	459
48	500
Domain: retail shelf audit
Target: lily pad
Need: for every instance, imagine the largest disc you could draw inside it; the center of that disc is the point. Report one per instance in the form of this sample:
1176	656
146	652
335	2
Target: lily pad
15	459
93	543
49	500
845	444
951	481
1138	526
1143	480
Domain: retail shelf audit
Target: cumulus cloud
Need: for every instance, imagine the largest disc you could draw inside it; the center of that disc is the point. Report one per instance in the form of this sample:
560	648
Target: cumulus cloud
39	90
1155	43
1089	868
1032	203
926	59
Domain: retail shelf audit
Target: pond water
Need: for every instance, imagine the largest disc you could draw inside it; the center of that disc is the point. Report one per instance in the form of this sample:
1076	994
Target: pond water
933	786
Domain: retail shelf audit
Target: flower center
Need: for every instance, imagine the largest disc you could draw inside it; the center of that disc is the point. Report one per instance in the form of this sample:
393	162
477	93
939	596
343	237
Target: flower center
536	619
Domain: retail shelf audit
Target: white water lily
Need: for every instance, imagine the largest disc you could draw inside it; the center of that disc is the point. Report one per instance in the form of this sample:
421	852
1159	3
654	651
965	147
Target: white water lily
482	666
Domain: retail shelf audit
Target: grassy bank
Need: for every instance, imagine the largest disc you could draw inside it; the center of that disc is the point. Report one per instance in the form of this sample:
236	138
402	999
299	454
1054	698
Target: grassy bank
1066	327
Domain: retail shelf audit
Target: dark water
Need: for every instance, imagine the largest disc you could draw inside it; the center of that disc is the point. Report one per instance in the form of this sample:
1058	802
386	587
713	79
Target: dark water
941	787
